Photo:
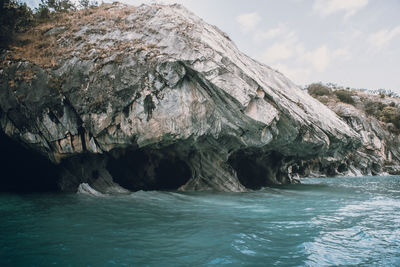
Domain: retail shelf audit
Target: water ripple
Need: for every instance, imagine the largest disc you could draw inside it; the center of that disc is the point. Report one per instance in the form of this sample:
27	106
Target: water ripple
322	222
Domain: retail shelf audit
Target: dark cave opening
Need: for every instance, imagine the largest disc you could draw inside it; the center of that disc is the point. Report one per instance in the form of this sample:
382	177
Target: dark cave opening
330	170
342	167
23	170
299	168
95	174
148	169
255	169
171	175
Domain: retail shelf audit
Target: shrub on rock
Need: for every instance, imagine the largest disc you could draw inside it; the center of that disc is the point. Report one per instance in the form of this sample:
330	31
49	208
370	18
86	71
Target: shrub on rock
344	96
318	89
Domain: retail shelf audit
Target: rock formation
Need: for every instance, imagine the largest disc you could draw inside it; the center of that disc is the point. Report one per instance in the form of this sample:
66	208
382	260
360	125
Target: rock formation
379	153
153	97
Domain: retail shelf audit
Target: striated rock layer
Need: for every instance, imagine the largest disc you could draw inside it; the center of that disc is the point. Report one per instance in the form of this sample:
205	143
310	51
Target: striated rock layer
155	98
379	153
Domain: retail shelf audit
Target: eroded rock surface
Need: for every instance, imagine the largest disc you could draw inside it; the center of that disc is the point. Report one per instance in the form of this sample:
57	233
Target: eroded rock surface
380	150
153	97
375	118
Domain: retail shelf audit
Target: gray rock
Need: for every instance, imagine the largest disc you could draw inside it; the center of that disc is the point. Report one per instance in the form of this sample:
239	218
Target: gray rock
379	153
178	93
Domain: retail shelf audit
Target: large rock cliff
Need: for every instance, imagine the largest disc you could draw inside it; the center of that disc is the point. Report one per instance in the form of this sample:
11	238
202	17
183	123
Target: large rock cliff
153	97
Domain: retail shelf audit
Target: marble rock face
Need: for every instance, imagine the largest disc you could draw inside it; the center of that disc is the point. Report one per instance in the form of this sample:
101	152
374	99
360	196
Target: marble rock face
163	100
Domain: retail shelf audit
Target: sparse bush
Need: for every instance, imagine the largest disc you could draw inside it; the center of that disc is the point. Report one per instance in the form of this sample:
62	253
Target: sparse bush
344	96
391	115
373	108
85	4
42	12
318	89
58	5
15	17
324	99
385	113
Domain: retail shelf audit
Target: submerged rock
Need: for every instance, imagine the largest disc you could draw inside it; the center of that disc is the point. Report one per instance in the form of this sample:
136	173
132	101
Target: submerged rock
86	189
153	97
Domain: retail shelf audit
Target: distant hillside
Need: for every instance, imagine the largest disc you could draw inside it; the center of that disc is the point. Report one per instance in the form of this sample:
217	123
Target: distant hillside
375	116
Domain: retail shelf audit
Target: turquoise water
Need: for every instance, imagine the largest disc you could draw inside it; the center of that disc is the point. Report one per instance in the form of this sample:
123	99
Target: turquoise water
341	221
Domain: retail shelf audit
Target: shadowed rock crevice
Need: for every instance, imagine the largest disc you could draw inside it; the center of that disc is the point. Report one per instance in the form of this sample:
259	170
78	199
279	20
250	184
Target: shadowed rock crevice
89	169
149	169
257	169
149	106
210	171
24	170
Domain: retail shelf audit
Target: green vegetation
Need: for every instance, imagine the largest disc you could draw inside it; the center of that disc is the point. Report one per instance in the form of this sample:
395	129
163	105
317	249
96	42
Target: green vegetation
58	5
344	96
17	17
375	104
391	115
373	108
386	113
318	89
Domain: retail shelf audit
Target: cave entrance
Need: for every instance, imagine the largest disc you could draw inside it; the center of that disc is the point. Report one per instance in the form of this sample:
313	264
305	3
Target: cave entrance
148	169
256	169
23	170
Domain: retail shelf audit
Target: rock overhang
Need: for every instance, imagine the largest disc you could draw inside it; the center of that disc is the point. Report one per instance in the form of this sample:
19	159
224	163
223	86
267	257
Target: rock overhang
171	80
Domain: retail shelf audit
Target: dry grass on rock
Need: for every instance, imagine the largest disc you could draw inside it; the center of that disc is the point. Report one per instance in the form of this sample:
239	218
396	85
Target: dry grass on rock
67	34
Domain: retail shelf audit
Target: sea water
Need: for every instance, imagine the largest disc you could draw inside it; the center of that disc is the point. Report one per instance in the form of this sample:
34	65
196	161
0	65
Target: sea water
335	221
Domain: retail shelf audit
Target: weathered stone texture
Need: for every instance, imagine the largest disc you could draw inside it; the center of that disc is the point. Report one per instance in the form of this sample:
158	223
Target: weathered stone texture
171	81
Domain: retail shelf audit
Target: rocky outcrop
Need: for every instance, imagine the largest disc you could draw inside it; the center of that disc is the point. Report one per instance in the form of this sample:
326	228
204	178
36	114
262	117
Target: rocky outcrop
380	150
379	153
152	97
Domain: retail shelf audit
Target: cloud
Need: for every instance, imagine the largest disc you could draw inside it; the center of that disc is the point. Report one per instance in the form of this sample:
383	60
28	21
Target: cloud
342	52
383	37
300	75
302	63
289	55
277	52
287	47
270	34
248	21
319	58
328	7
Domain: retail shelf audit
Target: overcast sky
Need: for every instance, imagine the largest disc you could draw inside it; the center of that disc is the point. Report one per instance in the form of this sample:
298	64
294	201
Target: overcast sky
352	43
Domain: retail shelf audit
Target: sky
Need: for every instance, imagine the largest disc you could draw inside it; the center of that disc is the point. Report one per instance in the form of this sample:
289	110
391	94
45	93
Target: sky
354	43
